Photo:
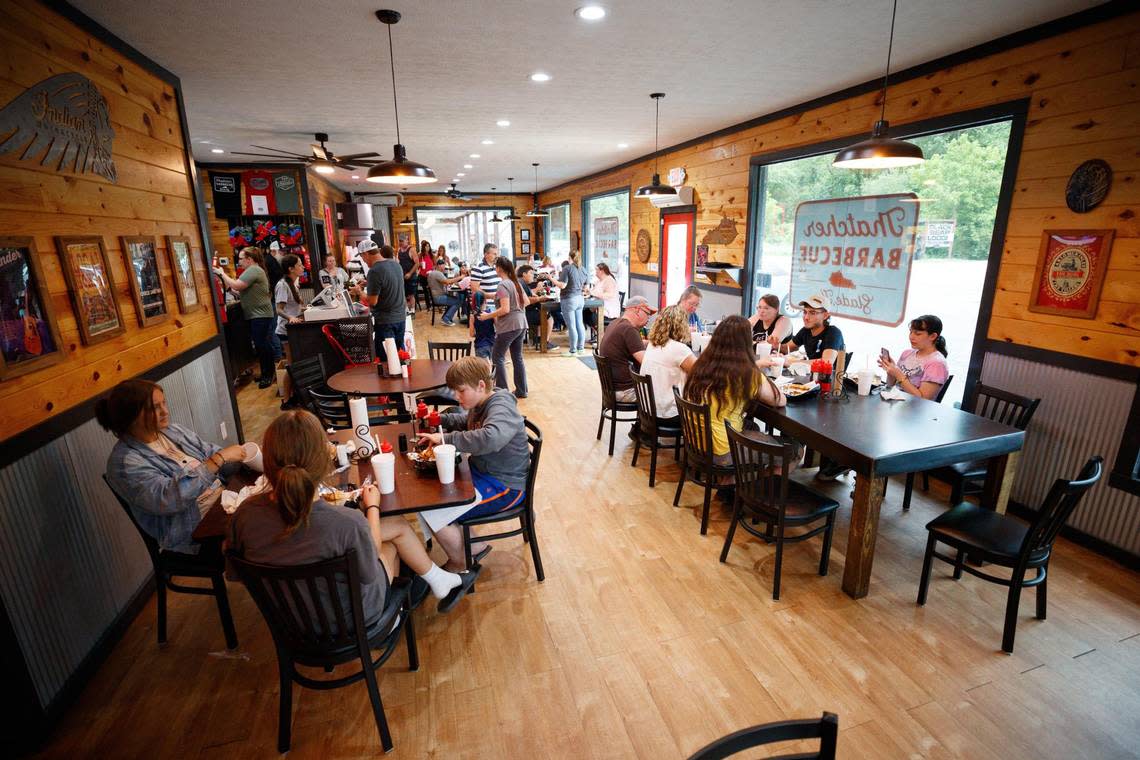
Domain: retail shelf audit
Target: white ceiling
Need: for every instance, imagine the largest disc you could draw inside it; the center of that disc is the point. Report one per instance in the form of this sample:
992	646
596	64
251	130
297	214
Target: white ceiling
272	72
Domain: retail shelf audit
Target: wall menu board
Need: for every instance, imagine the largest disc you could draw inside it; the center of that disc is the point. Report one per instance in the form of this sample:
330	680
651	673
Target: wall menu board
858	252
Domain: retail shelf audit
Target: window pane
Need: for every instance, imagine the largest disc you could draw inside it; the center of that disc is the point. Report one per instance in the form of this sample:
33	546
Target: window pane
608	215
558	232
464	231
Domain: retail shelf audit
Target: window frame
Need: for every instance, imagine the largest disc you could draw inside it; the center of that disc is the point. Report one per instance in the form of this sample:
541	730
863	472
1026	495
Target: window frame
546	224
629	222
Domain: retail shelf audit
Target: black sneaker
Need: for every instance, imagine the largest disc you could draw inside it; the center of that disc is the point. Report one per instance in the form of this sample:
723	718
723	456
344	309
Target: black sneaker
831	471
265	383
418	592
467	580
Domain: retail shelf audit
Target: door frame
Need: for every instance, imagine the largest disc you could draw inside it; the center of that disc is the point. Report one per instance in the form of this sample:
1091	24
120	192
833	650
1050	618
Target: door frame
691	210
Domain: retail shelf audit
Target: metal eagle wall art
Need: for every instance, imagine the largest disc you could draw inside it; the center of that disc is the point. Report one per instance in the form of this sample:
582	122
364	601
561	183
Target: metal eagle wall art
63	122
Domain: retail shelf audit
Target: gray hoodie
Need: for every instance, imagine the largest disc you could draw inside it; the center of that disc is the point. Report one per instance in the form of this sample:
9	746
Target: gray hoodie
494	435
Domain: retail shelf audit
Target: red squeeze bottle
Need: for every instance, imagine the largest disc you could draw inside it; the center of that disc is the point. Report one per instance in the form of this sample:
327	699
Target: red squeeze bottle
385	447
434	421
825	377
421	415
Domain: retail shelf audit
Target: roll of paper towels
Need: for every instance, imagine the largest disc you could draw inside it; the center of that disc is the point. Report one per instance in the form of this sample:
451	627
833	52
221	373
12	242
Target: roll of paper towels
393	355
361	433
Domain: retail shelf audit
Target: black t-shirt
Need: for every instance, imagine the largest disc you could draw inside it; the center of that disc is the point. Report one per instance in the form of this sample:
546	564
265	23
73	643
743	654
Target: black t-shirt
815	345
531	309
760	331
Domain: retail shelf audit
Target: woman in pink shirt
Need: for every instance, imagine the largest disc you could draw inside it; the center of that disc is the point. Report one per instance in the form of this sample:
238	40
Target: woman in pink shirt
922	369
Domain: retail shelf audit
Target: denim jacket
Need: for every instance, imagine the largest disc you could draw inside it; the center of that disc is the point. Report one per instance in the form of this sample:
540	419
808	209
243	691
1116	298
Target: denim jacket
163	497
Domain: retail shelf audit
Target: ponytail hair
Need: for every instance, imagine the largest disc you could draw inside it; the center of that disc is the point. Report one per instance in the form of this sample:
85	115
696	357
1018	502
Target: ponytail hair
929	323
296	458
127	402
289	261
507	267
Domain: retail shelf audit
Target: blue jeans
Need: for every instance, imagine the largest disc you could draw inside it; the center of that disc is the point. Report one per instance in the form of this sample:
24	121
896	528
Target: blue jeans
261	331
451	302
394	330
572	314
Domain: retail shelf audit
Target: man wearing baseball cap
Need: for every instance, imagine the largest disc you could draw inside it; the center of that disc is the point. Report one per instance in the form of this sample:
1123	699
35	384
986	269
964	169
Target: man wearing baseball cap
820	339
622	344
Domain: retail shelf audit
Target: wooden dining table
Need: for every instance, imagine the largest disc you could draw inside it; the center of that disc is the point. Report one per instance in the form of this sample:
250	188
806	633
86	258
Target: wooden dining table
416	491
544	308
877	438
366	380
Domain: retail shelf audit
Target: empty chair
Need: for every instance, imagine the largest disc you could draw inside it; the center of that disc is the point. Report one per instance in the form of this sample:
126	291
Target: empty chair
826	729
449	352
697	463
994	404
764	492
1006	541
315	614
169	565
611	407
651	428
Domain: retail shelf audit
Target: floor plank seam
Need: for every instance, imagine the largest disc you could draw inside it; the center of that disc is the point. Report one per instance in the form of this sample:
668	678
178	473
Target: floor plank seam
984	683
1082	654
1035	667
1128	638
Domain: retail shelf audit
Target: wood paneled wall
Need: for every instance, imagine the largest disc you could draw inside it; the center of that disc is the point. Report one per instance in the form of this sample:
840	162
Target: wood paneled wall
322	192
521	203
1085	103
153	195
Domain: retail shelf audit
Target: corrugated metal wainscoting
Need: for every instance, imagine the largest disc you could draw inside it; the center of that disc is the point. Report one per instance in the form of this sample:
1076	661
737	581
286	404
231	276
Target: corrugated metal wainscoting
1080	415
71	559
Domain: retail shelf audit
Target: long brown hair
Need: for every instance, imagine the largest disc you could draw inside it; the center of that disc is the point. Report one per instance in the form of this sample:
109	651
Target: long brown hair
507	267
425	248
726	369
287	262
118	410
296	458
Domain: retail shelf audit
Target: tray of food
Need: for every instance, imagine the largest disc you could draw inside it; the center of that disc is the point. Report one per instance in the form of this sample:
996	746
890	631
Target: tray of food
797	391
424	459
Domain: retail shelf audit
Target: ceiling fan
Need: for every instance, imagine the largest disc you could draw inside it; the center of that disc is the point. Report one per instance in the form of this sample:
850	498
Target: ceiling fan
454	194
323	160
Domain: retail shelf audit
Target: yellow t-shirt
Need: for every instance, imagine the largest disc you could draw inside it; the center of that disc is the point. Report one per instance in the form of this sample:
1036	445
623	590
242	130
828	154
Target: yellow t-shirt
733	413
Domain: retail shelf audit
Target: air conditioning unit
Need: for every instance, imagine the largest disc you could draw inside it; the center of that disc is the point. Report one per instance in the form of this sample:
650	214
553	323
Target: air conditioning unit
355	216
391	200
684	197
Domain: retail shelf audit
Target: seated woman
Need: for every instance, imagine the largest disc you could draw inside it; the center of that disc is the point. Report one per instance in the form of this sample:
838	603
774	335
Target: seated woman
606	290
726	377
165	472
290	525
667	360
819	338
768	321
490	428
922	369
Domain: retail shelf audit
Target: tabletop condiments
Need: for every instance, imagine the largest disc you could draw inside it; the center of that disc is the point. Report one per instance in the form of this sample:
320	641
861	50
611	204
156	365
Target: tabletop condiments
822	371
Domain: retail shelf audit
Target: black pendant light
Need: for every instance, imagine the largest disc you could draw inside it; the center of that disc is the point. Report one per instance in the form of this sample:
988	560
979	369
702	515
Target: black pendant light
655	189
512	216
881	151
398	171
536	211
494	216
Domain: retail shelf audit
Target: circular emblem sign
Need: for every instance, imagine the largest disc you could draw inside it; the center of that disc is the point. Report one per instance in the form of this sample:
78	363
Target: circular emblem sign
644	246
1068	273
1088	186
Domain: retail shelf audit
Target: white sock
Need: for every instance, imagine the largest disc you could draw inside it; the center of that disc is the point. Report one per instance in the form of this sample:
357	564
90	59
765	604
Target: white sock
440	580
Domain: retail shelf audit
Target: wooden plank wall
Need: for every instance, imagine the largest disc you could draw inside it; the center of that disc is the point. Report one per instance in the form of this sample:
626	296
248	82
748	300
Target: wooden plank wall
520	202
321	191
1085	103
153	196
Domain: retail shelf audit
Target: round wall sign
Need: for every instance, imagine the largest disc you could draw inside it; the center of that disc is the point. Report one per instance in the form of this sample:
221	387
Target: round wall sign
1088	186
644	246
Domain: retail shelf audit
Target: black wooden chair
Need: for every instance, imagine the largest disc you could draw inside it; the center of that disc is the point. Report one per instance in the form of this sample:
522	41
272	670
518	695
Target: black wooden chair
994	404
1006	541
524	512
910	475
650	428
315	615
697	463
611	407
307	373
170	565
826	729
450	352
764	492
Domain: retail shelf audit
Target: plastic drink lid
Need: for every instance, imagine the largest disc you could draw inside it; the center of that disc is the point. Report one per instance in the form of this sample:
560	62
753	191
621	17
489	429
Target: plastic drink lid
385	447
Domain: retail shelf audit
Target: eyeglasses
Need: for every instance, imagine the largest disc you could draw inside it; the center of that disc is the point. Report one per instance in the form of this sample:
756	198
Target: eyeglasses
815	312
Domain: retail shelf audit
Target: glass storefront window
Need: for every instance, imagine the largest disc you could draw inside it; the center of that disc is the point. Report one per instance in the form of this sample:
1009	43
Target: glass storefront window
464	231
557	232
605	235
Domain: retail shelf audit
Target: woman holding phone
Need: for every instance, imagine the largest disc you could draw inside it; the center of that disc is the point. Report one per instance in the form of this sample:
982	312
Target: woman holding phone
922	369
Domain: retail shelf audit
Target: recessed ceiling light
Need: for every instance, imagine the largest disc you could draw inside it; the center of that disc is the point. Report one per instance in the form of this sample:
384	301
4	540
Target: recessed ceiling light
216	150
460	174
469	166
503	122
623	145
474	155
539	76
591	13
356	176
488	142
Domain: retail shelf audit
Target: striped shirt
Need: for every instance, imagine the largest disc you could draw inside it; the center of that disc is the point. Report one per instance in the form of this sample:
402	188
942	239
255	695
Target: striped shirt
487	278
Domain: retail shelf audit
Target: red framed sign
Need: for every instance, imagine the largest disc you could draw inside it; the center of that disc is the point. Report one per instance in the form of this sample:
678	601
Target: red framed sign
1070	272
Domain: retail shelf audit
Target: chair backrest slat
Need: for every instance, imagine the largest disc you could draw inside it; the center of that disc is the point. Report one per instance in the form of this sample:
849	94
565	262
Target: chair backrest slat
151	544
1003	406
696	430
646	402
942	391
1062	499
606	378
761	470
308	373
443	351
826	729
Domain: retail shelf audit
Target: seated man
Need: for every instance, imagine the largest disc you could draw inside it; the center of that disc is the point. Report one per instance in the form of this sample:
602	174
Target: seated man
490	428
533	310
622	344
820	339
438	282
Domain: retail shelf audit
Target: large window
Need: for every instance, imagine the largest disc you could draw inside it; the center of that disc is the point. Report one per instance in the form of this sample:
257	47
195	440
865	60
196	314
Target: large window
605	235
464	231
957	189
557	232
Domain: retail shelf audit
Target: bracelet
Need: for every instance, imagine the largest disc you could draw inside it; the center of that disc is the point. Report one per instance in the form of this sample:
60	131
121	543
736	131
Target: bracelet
371	506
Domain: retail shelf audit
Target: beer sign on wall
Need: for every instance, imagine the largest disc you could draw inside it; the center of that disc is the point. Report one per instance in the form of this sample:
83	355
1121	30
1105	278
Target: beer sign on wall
858	252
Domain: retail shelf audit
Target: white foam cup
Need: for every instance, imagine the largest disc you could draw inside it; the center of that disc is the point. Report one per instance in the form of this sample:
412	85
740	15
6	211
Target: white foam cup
445	462
384	467
865	376
252	458
763	349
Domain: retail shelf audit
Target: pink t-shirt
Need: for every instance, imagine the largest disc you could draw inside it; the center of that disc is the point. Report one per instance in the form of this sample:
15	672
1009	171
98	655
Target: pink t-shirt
928	369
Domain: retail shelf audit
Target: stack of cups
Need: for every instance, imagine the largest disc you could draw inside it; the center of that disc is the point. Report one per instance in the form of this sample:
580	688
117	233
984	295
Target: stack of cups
445	462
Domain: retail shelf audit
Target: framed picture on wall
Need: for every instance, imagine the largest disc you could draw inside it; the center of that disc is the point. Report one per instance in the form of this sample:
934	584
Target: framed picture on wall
526	249
182	263
524	234
91	287
146	279
29	336
1070	272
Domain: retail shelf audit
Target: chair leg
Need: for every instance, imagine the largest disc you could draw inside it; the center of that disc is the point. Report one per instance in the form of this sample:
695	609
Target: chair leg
1041	591
825	552
925	482
681	482
636	452
653	467
613	431
927	561
779	560
601	422
377	705
467	552
959	559
707	505
160	600
1011	604
909	490
677	449
285	705
223	600
736	514
410	640
956	494
534	555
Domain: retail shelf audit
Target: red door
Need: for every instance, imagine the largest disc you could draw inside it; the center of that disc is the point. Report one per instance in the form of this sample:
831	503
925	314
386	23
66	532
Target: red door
676	255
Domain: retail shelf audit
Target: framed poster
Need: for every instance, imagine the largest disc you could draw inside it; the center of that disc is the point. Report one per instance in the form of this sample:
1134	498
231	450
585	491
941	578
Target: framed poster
29	337
182	263
1070	272
526	248
91	287
146	281
524	234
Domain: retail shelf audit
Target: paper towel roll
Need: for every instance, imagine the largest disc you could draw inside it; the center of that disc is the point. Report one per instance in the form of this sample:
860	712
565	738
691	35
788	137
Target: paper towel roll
393	355
361	434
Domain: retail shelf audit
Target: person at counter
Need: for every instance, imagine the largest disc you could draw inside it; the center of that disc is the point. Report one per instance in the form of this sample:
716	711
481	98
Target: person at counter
819	338
166	473
289	310
333	276
384	294
252	288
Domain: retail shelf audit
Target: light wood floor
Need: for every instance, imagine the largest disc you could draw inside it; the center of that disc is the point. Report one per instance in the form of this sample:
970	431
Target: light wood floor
641	644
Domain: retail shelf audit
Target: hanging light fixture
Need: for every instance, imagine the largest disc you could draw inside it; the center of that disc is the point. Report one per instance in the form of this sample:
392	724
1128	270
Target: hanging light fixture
881	151
494	216
512	216
398	171
536	211
655	189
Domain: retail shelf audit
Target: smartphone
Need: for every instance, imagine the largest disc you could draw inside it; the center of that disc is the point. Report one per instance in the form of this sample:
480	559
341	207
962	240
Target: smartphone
885	354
